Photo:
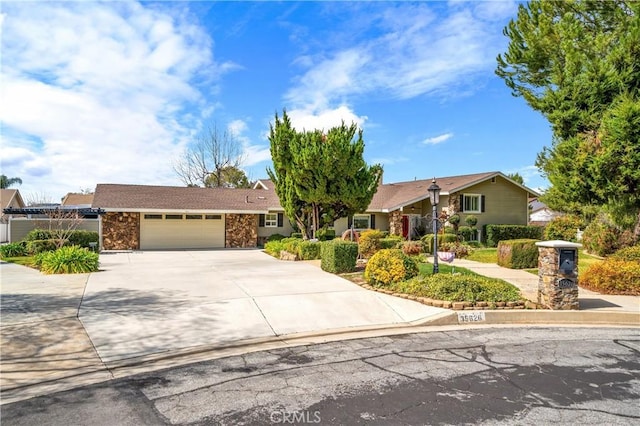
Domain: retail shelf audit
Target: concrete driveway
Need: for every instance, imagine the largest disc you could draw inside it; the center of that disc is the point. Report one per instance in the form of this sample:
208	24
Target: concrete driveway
149	302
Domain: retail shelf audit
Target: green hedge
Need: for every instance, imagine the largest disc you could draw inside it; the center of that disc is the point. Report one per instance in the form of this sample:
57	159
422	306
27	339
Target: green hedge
40	246
496	233
518	254
308	250
442	238
276	237
338	256
78	237
390	242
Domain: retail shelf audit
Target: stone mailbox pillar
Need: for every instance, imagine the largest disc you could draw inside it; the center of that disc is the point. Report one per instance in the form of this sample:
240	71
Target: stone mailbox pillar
558	274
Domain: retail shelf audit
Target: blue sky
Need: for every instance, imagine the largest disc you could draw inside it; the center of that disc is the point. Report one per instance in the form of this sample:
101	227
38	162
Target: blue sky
113	92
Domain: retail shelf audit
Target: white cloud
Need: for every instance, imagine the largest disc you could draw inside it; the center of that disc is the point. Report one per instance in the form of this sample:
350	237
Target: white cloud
103	88
324	119
412	52
438	139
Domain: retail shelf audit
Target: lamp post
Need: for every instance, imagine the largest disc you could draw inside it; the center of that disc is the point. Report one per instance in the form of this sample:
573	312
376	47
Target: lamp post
434	197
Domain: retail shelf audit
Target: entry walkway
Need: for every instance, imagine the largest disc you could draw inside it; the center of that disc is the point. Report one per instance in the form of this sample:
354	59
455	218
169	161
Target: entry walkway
528	285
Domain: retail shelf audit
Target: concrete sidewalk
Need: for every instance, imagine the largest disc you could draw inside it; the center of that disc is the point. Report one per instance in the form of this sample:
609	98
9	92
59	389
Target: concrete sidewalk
528	285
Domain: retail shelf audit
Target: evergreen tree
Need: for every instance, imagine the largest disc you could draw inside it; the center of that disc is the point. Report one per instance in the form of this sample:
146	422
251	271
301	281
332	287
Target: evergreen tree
320	177
577	62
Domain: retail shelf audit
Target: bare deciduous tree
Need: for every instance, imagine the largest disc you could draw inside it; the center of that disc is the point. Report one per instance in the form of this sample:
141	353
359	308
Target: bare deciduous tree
211	160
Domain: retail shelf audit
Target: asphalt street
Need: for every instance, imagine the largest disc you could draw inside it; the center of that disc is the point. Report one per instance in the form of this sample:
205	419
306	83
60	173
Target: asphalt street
468	376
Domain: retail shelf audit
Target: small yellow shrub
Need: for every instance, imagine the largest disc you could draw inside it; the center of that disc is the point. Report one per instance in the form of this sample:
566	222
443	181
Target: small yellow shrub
369	242
389	266
613	276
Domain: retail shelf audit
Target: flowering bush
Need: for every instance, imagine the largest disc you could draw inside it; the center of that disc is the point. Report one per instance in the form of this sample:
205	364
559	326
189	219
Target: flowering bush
461	250
388	266
613	276
369	242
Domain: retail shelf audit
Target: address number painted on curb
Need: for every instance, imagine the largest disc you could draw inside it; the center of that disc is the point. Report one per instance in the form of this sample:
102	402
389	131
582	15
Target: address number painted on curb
474	316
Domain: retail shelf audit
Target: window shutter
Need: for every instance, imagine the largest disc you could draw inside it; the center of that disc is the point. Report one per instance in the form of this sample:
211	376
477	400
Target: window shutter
349	222
482	203
261	220
280	220
462	202
373	221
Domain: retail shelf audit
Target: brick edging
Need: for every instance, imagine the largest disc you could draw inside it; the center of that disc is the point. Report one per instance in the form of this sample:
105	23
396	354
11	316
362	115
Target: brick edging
456	306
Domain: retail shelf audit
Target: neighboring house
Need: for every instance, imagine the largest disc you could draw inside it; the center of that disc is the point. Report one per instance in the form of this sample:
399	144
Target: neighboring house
9	198
540	214
165	217
78	201
52	216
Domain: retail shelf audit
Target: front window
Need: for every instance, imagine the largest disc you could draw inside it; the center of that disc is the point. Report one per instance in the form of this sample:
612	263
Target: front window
271	220
361	221
471	203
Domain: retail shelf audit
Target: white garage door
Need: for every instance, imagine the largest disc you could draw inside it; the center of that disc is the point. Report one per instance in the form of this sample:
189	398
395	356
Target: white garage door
181	231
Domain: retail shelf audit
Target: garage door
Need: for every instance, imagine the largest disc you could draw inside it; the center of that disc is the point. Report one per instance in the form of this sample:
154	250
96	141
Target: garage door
181	231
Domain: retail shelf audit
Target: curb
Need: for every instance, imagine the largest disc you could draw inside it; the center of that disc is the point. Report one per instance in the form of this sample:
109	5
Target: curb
445	321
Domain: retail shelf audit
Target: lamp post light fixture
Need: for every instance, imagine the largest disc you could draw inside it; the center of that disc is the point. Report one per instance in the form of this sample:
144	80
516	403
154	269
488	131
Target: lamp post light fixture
434	197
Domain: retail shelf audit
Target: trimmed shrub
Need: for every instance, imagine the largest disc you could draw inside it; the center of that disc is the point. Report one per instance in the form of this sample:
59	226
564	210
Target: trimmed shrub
496	233
454	219
296	235
291	244
390	242
471	221
563	228
601	236
308	250
274	248
39	234
82	238
461	250
338	256
613	276
369	242
412	248
78	237
442	239
469	288
518	254
13	250
68	260
630	254
389	266
40	246
324	234
276	237
467	233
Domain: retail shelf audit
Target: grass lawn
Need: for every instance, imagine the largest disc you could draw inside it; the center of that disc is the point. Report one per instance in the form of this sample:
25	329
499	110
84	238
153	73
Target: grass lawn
484	255
427	269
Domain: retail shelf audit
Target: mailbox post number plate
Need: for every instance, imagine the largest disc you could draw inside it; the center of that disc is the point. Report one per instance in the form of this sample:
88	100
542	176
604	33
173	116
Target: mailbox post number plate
566	283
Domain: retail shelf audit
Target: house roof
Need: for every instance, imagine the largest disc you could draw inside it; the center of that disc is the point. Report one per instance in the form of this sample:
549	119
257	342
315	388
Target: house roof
116	197
263	198
7	196
392	196
77	200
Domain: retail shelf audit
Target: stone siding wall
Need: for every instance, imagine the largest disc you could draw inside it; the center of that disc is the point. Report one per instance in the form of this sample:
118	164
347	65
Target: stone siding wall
395	223
121	231
550	293
241	230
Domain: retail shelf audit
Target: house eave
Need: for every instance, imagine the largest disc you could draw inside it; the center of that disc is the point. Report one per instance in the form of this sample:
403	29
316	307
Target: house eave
187	211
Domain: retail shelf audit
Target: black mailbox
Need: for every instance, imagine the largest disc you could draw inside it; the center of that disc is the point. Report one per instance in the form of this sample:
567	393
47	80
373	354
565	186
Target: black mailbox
567	260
